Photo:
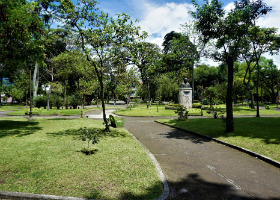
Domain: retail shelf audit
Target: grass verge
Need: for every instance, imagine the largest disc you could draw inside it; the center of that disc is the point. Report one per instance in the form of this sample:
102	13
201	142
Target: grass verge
52	111
141	110
260	135
42	157
11	107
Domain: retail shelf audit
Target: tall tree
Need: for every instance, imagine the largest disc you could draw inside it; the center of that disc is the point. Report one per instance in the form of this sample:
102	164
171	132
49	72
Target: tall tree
99	35
269	78
196	38
227	32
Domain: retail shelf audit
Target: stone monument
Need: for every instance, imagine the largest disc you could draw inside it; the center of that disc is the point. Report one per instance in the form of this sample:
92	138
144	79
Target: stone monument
185	94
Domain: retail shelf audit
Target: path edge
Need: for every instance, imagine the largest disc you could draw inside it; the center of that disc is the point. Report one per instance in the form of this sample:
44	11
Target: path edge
251	153
23	196
165	193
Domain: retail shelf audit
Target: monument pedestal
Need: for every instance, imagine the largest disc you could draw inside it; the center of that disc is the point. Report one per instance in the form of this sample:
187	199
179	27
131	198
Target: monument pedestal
185	97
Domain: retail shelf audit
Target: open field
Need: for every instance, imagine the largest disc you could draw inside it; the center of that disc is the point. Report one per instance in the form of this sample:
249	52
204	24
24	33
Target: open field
52	111
11	107
260	135
141	110
43	157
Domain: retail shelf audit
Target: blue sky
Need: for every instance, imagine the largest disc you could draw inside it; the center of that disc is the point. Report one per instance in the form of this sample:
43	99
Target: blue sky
158	17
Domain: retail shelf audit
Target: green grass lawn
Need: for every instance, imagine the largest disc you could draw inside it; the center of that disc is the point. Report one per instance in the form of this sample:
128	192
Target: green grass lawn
52	111
11	107
42	157
245	110
260	135
141	110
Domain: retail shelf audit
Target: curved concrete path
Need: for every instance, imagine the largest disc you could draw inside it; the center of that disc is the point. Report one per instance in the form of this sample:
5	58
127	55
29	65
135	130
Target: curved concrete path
197	168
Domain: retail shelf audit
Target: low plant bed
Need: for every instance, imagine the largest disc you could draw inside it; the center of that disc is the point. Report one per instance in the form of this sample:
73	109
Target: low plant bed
260	135
44	157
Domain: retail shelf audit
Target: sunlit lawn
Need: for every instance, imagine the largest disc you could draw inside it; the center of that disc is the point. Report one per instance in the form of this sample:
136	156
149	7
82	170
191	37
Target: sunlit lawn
141	110
53	111
9	107
43	157
260	135
246	110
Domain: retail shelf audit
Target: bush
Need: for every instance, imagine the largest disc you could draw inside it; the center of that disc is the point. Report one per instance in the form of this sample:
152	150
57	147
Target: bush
182	113
93	102
197	105
35	111
41	101
218	102
267	107
205	102
116	121
74	100
57	101
173	107
91	136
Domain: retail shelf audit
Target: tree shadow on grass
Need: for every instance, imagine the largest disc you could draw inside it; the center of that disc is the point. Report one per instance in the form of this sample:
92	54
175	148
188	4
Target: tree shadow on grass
265	129
76	132
150	193
192	187
18	128
88	152
61	119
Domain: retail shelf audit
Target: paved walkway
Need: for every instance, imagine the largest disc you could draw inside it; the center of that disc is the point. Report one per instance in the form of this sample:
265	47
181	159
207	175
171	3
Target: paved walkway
196	168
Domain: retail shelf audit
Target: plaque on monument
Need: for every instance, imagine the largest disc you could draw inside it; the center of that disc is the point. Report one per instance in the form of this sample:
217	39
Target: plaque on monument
185	94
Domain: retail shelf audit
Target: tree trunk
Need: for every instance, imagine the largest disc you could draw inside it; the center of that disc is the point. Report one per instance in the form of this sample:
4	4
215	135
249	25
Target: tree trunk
192	81
229	119
1	78
258	81
48	101
35	80
30	91
107	129
278	94
82	106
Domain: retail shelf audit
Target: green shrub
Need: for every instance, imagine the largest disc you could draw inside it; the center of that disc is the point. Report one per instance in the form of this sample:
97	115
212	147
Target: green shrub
218	102
41	101
74	100
205	102
91	136
182	113
197	105
267	107
57	101
116	121
195	101
173	107
36	111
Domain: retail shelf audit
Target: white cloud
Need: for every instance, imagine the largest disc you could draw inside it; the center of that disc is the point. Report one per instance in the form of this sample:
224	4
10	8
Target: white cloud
272	20
158	20
229	7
